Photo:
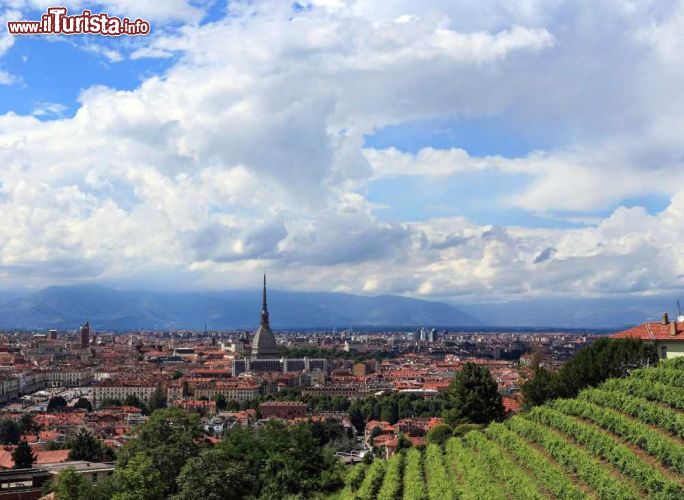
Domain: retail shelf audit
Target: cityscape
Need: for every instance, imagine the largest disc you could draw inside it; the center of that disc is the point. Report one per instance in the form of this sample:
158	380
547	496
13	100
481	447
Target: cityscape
341	250
60	388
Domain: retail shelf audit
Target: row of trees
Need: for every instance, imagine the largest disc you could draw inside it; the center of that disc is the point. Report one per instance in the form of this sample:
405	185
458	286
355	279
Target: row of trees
606	358
471	398
317	352
169	458
156	401
12	430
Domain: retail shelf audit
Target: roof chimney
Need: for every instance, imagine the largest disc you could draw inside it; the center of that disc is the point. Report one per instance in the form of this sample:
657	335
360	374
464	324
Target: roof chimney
666	319
673	329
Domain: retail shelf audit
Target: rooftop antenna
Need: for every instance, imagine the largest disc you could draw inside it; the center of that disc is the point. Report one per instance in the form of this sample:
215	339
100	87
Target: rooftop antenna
680	316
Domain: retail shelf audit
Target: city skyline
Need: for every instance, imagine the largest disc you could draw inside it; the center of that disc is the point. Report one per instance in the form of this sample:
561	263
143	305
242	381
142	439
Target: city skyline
458	153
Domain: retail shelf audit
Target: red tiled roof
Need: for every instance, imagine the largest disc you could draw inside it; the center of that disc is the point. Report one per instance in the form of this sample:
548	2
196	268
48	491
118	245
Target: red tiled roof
6	461
42	457
52	457
653	331
510	405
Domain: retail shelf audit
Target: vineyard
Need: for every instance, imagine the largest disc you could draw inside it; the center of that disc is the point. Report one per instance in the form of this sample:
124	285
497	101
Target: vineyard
622	440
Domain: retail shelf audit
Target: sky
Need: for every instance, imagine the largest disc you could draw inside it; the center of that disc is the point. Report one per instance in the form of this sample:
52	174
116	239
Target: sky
464	151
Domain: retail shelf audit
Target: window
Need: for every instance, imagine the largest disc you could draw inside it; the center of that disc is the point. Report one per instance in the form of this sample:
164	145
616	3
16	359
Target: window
663	351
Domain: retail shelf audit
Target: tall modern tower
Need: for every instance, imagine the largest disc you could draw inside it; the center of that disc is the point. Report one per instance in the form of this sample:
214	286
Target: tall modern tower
85	335
264	342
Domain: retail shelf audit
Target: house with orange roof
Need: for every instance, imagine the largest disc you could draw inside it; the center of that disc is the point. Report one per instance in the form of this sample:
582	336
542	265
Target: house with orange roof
668	336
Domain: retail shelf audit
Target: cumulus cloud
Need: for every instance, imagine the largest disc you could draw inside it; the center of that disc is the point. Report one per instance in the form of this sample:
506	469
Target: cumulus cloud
248	154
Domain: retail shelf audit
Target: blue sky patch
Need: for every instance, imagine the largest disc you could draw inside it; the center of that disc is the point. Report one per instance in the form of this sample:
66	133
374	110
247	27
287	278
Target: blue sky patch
52	70
479	136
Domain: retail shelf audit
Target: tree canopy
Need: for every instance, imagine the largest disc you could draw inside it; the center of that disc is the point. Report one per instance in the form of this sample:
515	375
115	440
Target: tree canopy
140	479
85	446
474	397
84	404
157	400
10	431
56	403
439	434
169	439
23	456
133	400
214	475
606	358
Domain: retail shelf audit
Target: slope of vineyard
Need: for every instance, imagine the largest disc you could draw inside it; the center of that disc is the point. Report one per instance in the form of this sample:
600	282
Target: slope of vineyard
622	440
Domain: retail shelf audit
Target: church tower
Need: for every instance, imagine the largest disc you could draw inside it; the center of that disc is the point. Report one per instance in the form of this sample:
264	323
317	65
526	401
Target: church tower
264	342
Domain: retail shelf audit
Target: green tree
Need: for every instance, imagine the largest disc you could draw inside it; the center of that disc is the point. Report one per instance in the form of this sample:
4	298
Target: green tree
84	404
54	445
605	358
110	402
56	403
388	411
133	400
474	397
71	485
10	431
463	429
403	442
140	479
85	446
356	416
214	475
221	402
28	425
439	434
539	388
157	400
23	456
286	461
169	439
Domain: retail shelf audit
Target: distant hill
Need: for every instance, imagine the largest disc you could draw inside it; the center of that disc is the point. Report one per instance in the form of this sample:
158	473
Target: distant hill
107	308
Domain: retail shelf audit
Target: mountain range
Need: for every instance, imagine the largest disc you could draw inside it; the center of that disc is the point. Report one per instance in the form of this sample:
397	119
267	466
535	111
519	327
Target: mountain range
66	307
107	308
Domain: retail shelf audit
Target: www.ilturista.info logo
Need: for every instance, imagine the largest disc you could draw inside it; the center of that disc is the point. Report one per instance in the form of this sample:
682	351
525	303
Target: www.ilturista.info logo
56	22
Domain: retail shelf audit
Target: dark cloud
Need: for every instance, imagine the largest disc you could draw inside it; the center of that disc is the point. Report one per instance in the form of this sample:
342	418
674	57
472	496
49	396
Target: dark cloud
545	255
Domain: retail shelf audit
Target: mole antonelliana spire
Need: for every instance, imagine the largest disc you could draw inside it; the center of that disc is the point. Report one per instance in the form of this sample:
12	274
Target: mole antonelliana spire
264	306
264	342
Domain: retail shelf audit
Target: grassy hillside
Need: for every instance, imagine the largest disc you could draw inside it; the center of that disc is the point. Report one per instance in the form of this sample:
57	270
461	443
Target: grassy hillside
622	440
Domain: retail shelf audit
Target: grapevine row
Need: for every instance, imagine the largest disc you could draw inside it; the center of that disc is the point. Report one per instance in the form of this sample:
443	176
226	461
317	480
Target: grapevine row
438	484
624	460
644	410
372	481
472	471
574	459
554	479
391	483
663	374
355	477
503	468
414	484
643	436
653	391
